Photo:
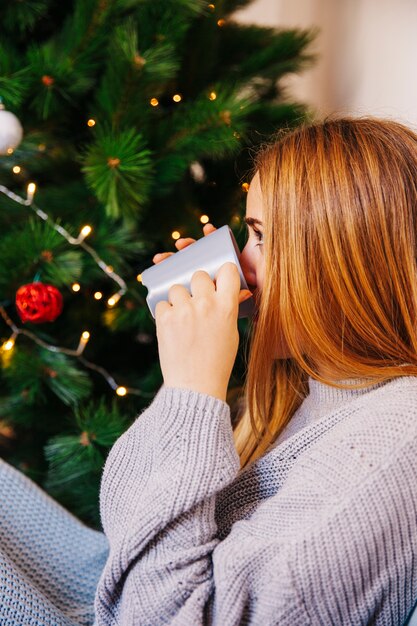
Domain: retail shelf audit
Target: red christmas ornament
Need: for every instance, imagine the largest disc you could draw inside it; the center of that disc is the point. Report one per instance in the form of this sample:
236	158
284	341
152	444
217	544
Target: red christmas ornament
38	303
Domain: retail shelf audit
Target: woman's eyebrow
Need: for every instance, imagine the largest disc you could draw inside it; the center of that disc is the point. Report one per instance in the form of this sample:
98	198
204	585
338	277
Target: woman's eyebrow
250	221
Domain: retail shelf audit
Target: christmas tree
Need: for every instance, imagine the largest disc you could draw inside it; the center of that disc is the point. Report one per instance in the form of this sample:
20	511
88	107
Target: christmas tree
124	125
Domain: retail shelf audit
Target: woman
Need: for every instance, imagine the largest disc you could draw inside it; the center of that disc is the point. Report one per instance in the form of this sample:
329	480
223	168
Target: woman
306	514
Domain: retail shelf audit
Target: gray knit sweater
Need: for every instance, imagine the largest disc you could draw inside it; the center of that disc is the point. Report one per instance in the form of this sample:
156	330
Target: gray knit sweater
321	530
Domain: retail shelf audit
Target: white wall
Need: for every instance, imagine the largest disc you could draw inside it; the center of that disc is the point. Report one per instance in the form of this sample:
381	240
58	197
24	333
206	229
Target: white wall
367	54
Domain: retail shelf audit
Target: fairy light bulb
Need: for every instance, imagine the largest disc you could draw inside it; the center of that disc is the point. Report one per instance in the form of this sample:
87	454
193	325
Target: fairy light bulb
31	190
98	295
91	123
114	299
121	391
204	219
245	187
83	341
177	97
154	102
176	234
213	95
76	287
139	278
221	23
8	345
86	230
17	169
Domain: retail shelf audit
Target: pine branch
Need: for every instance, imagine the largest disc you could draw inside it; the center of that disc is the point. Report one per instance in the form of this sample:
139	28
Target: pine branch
118	167
33	247
14	79
204	128
22	16
33	372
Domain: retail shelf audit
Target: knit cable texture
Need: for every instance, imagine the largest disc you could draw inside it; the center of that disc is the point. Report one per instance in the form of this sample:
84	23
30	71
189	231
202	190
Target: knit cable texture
321	530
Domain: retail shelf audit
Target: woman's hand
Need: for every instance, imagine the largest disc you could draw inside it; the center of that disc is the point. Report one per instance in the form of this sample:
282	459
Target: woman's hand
184	242
197	333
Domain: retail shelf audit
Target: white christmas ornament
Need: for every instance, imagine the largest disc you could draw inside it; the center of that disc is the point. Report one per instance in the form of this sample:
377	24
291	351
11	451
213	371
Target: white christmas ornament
197	172
11	131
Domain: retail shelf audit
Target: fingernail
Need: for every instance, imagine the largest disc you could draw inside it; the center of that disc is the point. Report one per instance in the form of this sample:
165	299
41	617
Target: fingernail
245	295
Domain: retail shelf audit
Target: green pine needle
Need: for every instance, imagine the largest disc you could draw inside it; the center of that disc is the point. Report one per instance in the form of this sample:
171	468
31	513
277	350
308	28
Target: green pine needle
34	372
23	249
23	16
119	169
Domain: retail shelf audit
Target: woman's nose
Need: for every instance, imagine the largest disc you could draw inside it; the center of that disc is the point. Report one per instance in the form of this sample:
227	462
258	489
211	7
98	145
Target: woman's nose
248	268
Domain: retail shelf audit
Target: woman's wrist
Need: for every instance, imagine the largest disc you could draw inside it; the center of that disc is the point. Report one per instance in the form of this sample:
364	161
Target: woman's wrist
217	391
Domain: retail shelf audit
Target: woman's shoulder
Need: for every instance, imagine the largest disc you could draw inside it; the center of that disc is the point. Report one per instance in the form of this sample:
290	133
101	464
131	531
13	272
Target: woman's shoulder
386	412
379	431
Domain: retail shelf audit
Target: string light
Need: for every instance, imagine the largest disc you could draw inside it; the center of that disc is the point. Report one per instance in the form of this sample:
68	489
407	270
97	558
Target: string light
28	201
86	230
154	102
113	300
107	269
91	123
221	23
83	342
121	391
10	150
9	344
212	7
31	190
58	349
41	147
245	187
177	97
204	219
213	95
75	287
176	235
16	169
98	295
139	278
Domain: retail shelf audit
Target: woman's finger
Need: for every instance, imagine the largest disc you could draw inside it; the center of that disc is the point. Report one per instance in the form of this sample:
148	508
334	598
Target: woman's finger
228	281
183	242
244	294
178	294
161	256
201	284
208	228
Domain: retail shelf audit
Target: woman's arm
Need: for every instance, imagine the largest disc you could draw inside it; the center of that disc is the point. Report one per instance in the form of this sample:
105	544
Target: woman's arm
336	544
157	506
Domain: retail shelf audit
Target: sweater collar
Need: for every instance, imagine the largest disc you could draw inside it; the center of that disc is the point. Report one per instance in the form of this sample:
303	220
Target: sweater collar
325	394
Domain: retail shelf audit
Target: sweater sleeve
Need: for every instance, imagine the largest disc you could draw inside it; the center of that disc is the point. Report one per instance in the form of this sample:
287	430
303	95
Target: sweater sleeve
157	508
336	544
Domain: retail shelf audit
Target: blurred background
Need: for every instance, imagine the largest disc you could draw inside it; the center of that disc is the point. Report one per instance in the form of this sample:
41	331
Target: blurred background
366	54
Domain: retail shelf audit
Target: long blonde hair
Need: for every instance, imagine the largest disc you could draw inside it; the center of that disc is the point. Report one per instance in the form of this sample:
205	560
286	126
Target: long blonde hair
340	227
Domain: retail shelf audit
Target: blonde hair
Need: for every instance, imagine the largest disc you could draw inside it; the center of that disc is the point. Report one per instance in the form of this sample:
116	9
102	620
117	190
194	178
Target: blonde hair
340	226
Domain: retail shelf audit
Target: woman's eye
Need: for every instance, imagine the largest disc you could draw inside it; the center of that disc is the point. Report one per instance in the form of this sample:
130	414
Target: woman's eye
259	237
